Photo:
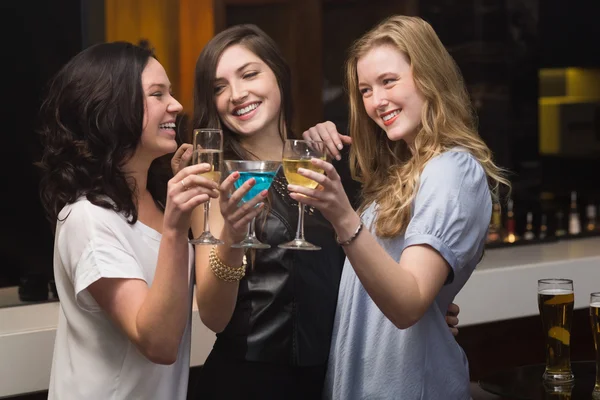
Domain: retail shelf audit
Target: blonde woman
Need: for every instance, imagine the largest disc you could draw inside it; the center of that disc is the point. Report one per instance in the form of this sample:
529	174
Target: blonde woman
428	184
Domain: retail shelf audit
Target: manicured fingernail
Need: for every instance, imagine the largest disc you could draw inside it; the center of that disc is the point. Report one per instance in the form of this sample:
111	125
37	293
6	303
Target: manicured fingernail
340	146
338	157
264	193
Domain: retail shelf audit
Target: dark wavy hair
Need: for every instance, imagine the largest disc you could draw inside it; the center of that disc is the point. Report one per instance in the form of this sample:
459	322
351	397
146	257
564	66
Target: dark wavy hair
205	111
91	124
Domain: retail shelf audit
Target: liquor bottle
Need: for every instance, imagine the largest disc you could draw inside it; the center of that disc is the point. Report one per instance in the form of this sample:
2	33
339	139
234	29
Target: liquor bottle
529	235
495	229
591	218
560	229
574	221
543	227
511	236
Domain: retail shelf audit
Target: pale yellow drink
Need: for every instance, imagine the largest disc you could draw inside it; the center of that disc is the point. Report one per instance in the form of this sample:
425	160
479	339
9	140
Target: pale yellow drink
595	320
556	310
212	157
290	169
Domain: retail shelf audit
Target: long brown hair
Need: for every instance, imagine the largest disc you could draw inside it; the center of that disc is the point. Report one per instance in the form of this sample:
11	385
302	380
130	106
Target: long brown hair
205	110
389	170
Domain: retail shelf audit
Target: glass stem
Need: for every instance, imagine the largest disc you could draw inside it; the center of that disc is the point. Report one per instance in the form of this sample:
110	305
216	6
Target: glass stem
206	212
300	228
251	233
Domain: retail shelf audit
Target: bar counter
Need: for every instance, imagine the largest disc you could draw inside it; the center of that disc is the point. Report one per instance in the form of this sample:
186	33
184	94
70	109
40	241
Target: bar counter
503	287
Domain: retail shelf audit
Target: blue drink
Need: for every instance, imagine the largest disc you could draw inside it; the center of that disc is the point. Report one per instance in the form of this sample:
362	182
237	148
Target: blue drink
263	172
263	182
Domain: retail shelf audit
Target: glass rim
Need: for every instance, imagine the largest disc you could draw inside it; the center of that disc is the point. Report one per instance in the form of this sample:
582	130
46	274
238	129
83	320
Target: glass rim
555	280
304	141
251	161
594	294
207	130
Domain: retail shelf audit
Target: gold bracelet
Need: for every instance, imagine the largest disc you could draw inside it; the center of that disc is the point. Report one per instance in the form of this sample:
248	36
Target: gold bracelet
224	271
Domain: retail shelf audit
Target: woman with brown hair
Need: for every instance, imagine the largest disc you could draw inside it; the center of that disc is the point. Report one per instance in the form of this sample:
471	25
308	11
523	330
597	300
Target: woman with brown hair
274	321
122	262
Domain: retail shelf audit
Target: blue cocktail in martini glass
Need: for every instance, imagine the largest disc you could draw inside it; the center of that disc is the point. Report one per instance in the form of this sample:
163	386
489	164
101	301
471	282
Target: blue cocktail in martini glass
263	172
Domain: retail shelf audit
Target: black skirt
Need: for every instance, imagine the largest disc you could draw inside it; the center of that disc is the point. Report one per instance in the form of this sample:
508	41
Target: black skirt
226	378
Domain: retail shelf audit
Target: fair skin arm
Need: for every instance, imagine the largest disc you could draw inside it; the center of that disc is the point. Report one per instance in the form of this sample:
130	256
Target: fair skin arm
328	133
217	298
403	291
143	312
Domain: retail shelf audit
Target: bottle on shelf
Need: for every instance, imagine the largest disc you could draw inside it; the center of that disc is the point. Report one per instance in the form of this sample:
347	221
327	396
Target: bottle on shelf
529	235
543	227
511	236
560	229
590	213
574	221
495	229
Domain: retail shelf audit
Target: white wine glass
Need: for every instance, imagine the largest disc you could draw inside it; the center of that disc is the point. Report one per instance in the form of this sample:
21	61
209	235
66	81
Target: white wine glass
297	154
208	148
263	172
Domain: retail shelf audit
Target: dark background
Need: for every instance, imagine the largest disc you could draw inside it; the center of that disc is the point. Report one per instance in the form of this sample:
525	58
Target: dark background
498	44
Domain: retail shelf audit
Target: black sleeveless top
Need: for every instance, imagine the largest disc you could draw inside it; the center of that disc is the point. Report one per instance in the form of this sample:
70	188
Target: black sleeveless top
286	302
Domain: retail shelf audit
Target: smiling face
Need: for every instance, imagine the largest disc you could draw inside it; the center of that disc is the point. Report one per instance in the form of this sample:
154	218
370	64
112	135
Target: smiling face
389	94
247	95
160	111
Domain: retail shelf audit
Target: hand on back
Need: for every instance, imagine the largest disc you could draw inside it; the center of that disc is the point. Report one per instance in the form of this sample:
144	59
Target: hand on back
327	132
182	158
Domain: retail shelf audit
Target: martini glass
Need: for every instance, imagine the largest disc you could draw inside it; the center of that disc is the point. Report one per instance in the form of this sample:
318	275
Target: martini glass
263	172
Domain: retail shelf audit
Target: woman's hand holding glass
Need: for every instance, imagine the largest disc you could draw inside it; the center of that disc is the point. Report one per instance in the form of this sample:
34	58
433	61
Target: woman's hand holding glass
185	191
236	216
329	197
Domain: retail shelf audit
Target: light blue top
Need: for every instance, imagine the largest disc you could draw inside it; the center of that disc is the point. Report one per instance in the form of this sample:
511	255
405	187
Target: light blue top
370	358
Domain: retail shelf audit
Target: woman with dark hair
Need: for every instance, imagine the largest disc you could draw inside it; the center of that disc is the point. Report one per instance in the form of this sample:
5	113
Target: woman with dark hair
274	324
122	261
274	320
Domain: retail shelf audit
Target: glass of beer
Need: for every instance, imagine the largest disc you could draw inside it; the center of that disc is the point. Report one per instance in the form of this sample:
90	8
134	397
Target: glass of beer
555	301
595	319
558	392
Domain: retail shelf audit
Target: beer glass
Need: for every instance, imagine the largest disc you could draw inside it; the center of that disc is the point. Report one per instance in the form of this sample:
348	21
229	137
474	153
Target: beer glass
558	392
208	148
555	302
595	319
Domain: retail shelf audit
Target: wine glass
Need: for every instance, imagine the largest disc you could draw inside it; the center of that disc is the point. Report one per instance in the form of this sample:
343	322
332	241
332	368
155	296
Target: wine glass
208	148
263	172
297	154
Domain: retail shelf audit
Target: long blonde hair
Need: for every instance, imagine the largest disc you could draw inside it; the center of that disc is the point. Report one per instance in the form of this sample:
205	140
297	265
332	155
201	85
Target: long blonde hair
388	170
